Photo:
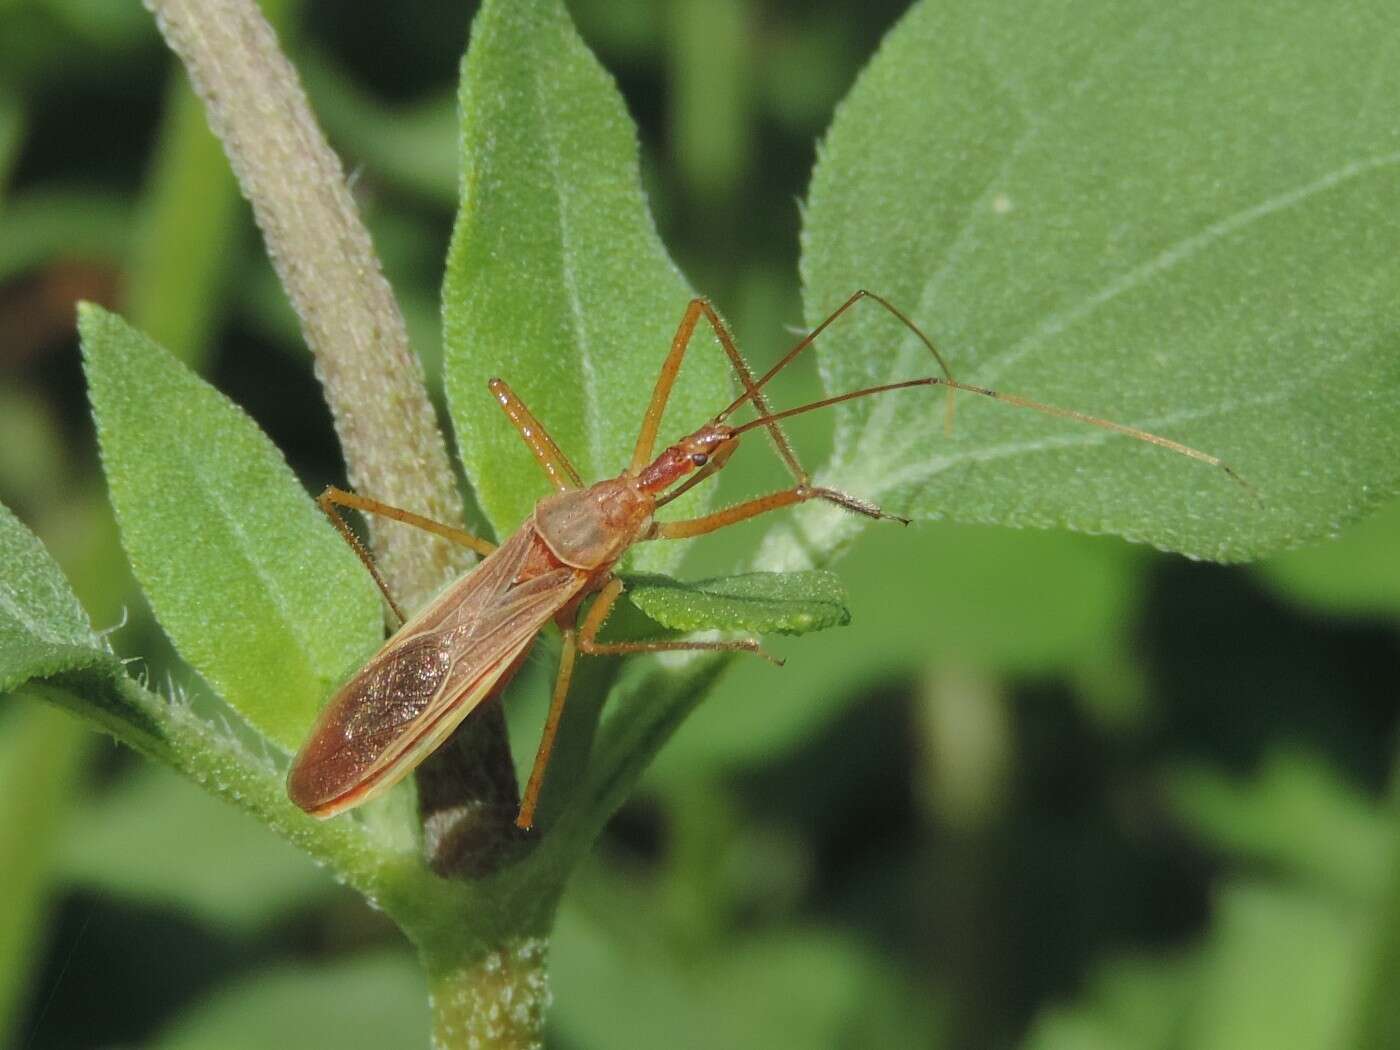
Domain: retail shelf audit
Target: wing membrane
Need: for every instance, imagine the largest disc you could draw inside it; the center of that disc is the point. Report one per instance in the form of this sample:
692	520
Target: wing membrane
427	678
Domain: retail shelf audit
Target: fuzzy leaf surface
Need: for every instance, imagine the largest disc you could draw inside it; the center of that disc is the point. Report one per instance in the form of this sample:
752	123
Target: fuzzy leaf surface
46	640
43	629
253	586
1158	214
556	280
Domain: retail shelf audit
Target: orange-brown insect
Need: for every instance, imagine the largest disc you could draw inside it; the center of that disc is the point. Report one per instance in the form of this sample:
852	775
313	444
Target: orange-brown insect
471	639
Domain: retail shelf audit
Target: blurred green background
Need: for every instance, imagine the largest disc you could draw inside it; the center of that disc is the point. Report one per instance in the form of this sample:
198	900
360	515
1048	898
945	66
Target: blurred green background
1045	791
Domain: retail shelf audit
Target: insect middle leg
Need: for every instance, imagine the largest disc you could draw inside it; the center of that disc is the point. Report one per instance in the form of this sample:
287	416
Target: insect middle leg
334	497
583	638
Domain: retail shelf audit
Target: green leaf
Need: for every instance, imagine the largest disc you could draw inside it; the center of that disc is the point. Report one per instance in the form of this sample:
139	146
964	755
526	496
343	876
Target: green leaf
930	595
1358	573
367	1002
47	650
556	280
159	839
45	639
1280	970
1131	1003
1377	1022
764	602
1297	816
41	751
618	986
43	629
1157	214
254	587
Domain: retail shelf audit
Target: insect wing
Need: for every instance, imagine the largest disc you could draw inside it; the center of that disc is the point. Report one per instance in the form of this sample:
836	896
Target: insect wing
426	679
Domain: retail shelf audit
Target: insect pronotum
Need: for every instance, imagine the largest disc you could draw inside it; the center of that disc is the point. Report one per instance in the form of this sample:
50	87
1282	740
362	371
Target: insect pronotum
470	640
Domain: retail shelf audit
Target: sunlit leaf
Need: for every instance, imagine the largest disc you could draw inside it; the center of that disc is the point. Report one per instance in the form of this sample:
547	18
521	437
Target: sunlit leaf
781	603
556	280
1158	214
253	586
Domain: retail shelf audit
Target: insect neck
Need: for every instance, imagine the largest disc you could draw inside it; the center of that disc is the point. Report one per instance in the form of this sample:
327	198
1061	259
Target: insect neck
683	458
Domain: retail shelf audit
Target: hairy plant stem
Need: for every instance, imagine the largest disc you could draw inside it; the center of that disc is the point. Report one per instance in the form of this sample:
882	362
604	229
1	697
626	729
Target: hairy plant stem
493	998
326	262
393	447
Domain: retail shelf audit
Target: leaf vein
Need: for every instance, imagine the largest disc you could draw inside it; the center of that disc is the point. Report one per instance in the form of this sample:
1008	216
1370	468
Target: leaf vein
882	416
1061	321
577	315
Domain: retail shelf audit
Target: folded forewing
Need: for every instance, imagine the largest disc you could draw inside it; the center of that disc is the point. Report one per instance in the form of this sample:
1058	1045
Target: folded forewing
427	678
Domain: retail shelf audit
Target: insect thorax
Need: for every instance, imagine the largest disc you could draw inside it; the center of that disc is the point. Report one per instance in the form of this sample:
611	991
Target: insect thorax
592	527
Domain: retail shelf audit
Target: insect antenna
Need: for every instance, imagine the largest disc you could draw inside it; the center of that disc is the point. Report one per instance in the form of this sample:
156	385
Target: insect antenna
1019	402
808	339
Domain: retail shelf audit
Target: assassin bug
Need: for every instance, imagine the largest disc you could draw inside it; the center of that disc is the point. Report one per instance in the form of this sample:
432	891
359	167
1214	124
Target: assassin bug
470	640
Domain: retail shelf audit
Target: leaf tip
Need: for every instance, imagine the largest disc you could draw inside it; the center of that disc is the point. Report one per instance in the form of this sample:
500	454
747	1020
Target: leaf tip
94	323
90	313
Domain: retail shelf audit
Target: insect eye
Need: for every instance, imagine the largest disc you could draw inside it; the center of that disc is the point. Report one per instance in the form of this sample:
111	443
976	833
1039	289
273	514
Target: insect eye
699	458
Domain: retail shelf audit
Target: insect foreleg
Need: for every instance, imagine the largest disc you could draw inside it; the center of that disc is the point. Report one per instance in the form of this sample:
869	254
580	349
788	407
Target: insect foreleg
333	497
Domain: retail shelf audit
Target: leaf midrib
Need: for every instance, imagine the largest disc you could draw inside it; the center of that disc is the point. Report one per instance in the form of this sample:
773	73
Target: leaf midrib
577	318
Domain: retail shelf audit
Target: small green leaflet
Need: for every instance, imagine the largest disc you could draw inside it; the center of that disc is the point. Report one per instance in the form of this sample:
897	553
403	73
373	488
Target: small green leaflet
763	602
